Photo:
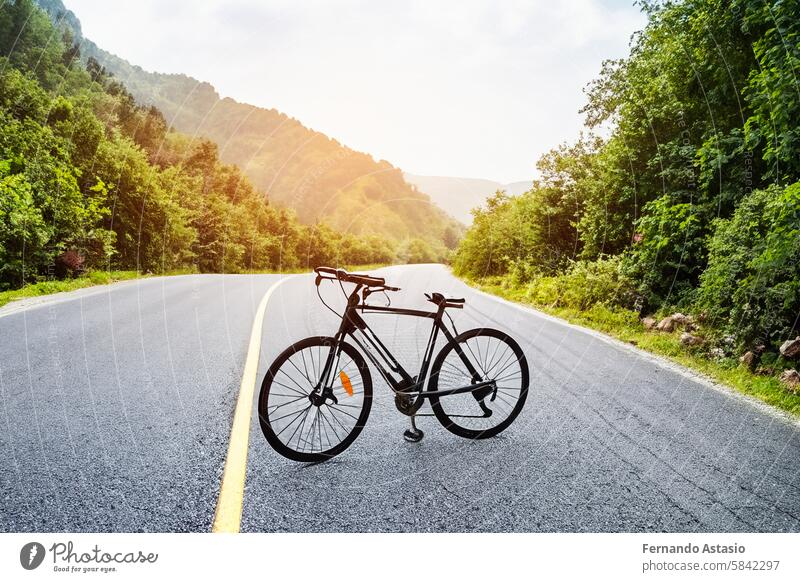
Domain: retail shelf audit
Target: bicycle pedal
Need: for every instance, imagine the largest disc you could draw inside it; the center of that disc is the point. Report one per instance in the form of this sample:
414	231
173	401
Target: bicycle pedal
413	436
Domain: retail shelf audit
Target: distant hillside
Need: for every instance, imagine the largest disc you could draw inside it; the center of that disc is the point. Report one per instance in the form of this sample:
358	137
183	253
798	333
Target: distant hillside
458	196
297	167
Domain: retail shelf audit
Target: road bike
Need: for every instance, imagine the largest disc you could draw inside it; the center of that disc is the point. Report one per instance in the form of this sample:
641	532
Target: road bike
316	396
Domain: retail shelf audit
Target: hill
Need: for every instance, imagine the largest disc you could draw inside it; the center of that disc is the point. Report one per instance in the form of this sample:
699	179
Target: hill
90	180
297	167
458	196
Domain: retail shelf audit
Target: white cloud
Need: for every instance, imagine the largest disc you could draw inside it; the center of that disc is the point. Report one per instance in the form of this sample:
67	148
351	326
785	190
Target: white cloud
477	89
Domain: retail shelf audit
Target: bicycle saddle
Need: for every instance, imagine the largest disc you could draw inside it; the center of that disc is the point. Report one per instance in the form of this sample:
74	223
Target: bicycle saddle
440	299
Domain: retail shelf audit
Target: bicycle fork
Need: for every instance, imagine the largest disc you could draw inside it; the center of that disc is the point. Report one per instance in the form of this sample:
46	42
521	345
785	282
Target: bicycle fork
324	388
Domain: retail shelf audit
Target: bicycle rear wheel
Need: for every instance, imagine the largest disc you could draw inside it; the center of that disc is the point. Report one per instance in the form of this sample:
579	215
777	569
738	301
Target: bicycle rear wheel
484	413
297	428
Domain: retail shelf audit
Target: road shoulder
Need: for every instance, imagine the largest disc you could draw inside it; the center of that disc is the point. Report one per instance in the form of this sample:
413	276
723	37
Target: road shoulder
662	361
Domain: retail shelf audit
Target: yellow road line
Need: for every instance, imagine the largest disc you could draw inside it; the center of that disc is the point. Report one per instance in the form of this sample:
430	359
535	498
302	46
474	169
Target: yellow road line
228	517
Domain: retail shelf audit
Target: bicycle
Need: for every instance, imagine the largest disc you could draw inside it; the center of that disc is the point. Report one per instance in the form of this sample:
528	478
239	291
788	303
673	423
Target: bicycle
316	396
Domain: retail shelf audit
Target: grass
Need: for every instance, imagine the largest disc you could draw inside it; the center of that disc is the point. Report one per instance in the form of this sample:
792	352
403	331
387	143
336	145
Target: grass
625	326
89	279
92	278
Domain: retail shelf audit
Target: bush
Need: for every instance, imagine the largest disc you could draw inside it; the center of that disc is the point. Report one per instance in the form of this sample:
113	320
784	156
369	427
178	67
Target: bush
667	261
584	285
751	287
417	250
69	264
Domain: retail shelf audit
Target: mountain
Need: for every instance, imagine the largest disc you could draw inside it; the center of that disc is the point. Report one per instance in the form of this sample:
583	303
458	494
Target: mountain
457	196
297	167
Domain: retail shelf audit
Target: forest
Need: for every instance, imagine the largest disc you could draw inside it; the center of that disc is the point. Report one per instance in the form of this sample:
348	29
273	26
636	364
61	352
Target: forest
682	194
90	179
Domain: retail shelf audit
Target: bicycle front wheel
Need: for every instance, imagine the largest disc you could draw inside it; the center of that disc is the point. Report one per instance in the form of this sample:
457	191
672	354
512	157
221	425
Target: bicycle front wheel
494	357
293	424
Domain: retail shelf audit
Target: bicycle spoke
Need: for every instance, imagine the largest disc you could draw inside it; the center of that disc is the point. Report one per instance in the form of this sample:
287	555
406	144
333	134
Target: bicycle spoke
490	363
303	394
502	399
339	422
292	421
311	430
500	359
513	375
335	407
303	356
503	363
511	363
327	435
317	373
299	425
349	405
330	424
285	416
310	383
296	383
460	371
275	407
473	355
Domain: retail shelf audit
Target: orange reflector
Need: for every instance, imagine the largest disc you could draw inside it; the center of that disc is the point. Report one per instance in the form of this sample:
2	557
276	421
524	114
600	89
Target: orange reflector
348	387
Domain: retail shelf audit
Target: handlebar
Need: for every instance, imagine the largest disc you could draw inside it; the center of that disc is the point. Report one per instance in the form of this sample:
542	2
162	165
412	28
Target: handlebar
357	278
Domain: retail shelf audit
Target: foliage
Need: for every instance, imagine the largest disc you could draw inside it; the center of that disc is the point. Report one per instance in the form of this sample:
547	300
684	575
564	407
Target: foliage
322	180
536	232
90	179
751	287
690	190
624	325
583	285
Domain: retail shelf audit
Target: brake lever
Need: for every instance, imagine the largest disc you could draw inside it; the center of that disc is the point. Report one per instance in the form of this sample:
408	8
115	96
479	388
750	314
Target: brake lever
320	279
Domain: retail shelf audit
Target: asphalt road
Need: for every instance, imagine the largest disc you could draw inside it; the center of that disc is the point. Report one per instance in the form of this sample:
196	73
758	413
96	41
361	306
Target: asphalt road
117	407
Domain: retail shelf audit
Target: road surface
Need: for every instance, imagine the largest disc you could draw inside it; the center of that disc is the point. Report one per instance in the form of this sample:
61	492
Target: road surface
117	405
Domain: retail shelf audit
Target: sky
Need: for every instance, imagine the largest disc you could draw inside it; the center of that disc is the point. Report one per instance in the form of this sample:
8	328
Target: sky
477	89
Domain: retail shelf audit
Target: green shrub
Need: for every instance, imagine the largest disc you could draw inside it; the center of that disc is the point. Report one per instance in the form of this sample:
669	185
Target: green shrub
751	287
584	285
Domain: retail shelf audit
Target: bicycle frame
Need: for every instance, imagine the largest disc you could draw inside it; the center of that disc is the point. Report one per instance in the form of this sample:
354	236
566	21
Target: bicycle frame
383	360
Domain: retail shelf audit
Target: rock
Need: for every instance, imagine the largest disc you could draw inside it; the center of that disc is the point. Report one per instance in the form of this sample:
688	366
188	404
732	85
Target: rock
791	348
791	379
666	324
688	339
649	323
680	318
716	353
748	359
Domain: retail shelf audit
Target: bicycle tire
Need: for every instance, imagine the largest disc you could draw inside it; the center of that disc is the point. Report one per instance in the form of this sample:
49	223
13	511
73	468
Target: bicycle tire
268	384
